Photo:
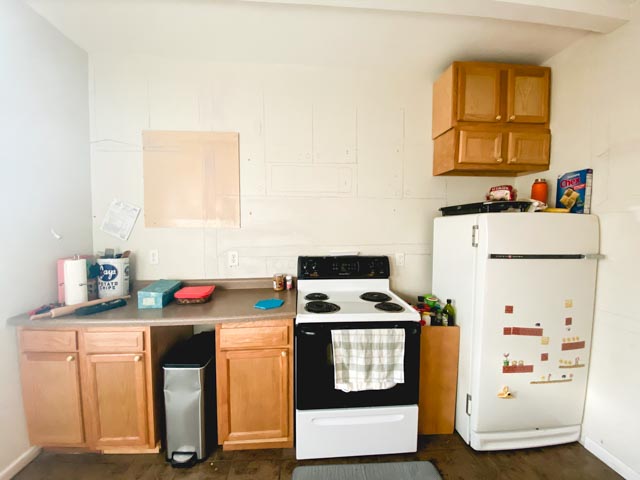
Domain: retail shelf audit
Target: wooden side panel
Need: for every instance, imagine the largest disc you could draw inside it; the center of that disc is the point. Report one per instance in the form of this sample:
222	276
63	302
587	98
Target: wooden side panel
48	340
439	348
116	399
528	94
443	103
444	152
479	93
51	395
529	148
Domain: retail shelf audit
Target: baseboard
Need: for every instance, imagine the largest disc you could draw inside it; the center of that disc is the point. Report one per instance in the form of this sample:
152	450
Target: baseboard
19	463
619	466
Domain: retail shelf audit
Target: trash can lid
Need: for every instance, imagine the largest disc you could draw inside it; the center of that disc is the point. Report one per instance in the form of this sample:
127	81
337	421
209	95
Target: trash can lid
195	352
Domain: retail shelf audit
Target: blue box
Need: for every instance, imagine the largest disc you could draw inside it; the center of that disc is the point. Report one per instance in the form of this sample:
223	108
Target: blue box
158	294
574	191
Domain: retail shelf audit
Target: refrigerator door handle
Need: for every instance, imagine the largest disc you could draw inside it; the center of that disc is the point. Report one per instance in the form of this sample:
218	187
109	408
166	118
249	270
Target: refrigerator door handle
535	256
594	256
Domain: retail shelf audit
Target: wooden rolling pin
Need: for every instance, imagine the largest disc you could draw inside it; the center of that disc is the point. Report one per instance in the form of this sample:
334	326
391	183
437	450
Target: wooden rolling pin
69	309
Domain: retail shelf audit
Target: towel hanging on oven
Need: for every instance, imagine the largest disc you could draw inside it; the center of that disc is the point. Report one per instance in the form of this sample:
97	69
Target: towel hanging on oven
368	359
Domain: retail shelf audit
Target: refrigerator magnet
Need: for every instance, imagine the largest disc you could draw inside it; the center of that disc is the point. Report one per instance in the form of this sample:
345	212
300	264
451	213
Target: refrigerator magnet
508	309
568	303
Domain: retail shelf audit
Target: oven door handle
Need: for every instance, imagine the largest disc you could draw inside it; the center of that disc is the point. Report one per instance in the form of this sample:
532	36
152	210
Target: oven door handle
306	332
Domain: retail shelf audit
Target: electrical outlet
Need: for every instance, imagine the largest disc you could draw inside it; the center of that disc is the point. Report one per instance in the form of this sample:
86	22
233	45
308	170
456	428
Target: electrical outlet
232	258
154	258
399	259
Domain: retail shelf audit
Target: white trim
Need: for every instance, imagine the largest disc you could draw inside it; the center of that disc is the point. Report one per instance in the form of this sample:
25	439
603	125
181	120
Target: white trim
19	463
618	465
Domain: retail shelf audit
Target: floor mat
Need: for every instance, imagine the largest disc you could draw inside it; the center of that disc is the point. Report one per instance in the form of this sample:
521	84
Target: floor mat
369	471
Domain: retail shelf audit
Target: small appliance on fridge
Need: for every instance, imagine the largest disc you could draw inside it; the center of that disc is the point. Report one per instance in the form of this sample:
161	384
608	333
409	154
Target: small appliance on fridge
524	286
345	294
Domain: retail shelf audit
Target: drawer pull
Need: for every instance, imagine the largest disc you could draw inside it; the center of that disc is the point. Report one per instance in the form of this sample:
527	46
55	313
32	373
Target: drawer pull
512	117
70	358
283	353
137	358
498	117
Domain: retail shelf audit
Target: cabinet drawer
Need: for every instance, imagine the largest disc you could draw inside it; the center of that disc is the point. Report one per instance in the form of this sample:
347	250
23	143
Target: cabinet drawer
48	340
116	341
254	337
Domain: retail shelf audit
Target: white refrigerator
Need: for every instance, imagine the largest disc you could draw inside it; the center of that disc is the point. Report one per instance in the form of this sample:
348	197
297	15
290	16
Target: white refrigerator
523	285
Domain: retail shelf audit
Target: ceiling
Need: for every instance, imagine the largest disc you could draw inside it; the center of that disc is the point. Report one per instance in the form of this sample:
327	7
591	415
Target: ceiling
321	32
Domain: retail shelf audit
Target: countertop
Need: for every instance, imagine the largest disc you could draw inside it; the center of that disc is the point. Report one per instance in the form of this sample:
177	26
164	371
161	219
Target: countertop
232	301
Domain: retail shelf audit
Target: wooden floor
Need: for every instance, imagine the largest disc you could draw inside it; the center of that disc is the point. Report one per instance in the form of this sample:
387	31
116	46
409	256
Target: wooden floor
451	456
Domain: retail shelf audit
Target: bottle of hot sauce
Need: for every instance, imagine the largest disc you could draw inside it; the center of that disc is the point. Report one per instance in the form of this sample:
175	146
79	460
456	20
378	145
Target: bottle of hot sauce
539	190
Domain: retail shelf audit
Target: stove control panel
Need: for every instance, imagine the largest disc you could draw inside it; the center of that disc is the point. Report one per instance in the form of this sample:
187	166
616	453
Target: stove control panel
343	267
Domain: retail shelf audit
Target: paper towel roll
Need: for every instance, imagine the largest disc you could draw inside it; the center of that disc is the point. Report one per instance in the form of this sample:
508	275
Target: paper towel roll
75	281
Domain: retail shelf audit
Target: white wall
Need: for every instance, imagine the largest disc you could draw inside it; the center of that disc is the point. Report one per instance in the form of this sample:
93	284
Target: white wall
332	159
595	107
44	156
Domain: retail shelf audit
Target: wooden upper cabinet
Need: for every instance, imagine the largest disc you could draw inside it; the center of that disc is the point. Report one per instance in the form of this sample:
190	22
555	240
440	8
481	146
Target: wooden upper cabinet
116	399
491	119
479	93
528	95
529	148
51	395
479	147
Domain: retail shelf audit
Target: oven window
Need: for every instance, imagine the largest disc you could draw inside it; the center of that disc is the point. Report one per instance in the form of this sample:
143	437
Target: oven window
315	384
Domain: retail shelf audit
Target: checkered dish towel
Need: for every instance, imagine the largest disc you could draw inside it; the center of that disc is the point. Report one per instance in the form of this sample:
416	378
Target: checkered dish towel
368	359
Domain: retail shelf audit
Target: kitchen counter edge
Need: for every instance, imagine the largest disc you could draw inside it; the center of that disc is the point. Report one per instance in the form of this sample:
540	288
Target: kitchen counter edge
232	301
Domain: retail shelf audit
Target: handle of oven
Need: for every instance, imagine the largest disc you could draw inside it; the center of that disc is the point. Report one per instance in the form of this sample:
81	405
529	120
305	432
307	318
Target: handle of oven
412	330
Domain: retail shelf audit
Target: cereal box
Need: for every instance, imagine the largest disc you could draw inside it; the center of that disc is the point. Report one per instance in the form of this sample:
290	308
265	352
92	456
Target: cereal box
574	191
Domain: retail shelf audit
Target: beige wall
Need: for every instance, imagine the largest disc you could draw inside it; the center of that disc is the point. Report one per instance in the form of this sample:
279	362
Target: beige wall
45	184
332	159
595	106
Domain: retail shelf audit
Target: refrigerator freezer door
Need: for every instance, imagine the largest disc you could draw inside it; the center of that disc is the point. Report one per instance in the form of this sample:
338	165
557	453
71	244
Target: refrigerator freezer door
531	349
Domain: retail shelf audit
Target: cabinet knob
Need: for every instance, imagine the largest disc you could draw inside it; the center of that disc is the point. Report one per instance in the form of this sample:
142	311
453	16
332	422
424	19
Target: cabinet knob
499	160
512	117
283	353
513	160
70	358
498	117
137	358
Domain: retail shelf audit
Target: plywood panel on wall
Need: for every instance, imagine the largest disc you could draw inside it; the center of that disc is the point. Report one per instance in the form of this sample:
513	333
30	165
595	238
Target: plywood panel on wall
191	179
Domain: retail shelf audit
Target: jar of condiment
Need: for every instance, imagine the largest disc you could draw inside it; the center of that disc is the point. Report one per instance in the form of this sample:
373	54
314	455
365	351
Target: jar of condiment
278	282
539	190
289	282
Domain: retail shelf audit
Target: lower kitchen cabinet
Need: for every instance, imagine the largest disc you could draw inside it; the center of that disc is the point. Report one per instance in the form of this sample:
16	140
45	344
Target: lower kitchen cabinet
52	402
97	388
255	384
116	399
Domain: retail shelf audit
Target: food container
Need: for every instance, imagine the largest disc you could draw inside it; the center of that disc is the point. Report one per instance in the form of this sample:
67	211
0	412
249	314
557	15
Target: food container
192	295
113	280
278	282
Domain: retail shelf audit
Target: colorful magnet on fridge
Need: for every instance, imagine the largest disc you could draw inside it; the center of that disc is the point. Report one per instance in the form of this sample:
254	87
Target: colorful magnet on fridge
508	309
505	393
568	321
544	357
568	303
544	340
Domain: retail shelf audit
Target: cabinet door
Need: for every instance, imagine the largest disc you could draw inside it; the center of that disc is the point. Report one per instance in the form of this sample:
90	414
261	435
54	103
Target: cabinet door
480	147
51	391
528	95
527	148
254	398
479	93
116	399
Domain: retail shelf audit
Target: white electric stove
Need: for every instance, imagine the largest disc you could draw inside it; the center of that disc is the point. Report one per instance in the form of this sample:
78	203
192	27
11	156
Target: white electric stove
351	292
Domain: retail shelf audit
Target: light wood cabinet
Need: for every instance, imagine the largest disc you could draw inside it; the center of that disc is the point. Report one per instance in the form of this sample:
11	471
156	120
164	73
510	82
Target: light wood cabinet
491	119
52	402
439	348
104	393
255	384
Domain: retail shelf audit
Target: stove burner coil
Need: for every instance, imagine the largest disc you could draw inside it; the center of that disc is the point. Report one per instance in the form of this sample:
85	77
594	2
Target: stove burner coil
375	297
317	296
389	307
321	307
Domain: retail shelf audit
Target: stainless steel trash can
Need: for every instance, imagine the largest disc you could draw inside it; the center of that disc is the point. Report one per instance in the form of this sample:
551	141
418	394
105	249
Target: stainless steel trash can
190	401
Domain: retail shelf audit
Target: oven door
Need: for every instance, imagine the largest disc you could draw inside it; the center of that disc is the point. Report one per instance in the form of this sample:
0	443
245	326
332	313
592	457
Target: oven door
315	383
